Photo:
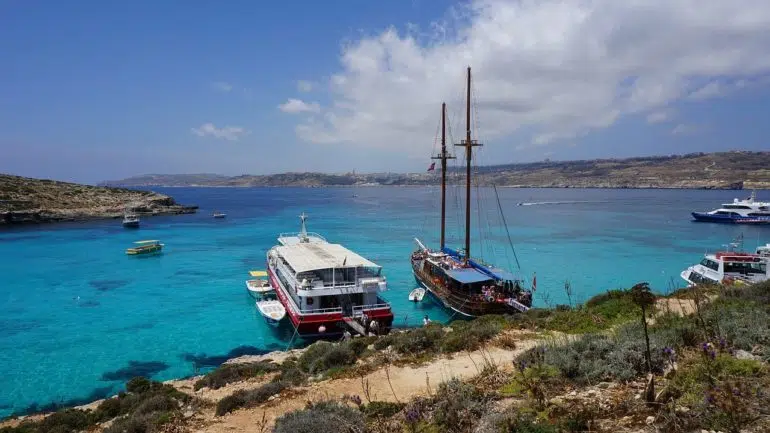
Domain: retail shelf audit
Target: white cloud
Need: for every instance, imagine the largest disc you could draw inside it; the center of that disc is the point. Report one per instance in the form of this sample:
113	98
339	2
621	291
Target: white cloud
685	129
304	86
232	133
549	70
222	86
660	116
294	106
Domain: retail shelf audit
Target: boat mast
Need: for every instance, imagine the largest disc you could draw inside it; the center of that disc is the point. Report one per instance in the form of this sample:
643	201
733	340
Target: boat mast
303	229
443	156
469	144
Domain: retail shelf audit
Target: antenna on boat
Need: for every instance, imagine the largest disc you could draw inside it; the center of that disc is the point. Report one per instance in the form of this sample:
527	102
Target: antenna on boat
443	156
302	229
469	145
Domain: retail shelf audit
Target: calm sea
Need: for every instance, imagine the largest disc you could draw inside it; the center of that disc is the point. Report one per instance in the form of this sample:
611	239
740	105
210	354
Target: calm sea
78	317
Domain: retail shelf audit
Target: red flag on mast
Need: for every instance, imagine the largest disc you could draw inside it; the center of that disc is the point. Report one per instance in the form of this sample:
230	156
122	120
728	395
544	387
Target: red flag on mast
432	166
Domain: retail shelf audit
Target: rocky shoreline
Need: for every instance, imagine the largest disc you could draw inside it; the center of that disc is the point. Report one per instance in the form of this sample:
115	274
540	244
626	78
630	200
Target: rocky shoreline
34	201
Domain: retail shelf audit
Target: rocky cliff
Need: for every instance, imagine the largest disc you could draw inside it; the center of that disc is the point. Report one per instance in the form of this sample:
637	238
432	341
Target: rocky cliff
26	200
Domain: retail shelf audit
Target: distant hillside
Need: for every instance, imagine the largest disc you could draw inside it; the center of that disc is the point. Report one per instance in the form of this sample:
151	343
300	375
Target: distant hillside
724	170
26	200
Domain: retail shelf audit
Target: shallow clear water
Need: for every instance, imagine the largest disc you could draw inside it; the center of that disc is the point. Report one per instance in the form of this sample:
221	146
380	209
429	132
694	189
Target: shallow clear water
78	317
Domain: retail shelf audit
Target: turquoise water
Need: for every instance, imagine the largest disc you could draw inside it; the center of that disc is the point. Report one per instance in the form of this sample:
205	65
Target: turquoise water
78	317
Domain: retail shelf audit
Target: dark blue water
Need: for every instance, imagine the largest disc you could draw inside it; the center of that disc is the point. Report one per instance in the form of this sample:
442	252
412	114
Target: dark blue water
78	317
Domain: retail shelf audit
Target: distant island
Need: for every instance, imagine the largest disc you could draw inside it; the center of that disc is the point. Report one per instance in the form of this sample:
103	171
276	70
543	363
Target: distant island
26	200
723	170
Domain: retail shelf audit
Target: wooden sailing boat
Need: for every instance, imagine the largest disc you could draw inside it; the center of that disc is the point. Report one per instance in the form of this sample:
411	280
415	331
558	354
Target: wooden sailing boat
460	283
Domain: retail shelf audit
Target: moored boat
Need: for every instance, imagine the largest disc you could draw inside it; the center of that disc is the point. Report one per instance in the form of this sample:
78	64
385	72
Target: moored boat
326	287
145	247
747	211
130	220
466	286
417	294
730	267
260	285
272	310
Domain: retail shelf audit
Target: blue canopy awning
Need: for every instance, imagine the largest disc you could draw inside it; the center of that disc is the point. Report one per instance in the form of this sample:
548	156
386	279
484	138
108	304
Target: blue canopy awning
468	275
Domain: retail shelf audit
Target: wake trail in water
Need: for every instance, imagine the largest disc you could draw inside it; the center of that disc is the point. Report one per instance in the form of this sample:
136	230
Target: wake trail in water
539	203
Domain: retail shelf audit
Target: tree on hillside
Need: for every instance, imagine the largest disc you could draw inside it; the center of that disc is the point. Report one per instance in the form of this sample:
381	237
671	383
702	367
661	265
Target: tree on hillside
645	299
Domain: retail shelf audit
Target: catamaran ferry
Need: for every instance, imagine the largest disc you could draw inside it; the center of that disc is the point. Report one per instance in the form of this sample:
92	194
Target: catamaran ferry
326	287
730	267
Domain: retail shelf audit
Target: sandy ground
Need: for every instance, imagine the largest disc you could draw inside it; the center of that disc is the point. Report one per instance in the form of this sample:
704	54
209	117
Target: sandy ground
407	382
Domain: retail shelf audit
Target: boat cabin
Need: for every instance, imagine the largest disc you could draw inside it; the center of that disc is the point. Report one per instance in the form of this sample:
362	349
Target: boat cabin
320	276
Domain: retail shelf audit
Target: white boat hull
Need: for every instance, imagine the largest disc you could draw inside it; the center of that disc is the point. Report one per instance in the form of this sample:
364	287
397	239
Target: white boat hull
257	288
417	294
273	311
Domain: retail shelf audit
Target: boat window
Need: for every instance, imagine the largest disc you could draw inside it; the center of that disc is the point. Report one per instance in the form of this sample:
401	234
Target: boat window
736	206
710	264
746	268
722	212
700	279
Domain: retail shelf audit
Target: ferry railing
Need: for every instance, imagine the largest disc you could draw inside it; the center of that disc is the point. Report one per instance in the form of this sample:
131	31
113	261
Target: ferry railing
322	311
298	234
358	310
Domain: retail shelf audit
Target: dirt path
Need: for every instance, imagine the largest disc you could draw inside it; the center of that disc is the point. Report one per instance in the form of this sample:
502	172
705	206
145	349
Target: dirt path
407	382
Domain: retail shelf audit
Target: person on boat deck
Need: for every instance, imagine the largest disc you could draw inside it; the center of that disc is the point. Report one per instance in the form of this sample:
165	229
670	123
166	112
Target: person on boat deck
346	335
425	321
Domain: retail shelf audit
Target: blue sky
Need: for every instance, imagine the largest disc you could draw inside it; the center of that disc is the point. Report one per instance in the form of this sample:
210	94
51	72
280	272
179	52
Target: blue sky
93	90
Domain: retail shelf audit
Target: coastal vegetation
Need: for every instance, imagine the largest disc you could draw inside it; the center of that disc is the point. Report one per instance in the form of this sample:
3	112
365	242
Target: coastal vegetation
723	170
625	361
26	200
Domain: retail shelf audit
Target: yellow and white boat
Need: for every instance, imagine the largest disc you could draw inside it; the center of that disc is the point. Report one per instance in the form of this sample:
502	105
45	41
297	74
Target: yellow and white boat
259	285
145	247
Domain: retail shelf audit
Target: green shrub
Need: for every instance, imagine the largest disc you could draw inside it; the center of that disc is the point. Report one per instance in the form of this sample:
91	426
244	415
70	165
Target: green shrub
322	356
471	335
419	340
290	373
67	420
108	409
383	342
360	344
146	423
250	398
234	401
156	403
324	417
230	373
596	357
458	406
139	385
382	409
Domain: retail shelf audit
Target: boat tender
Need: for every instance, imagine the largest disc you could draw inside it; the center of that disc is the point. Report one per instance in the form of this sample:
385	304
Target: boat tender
145	247
326	287
747	211
272	310
259	285
130	220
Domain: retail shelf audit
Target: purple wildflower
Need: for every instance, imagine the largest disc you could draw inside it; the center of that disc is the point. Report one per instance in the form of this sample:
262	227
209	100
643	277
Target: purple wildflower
412	416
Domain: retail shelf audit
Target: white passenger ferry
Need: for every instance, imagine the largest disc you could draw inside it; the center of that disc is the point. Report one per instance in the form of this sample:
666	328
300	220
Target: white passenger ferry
730	267
326	287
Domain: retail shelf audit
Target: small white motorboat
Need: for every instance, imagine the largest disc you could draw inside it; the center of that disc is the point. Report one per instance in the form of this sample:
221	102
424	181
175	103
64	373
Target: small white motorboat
219	214
417	294
258	287
272	310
